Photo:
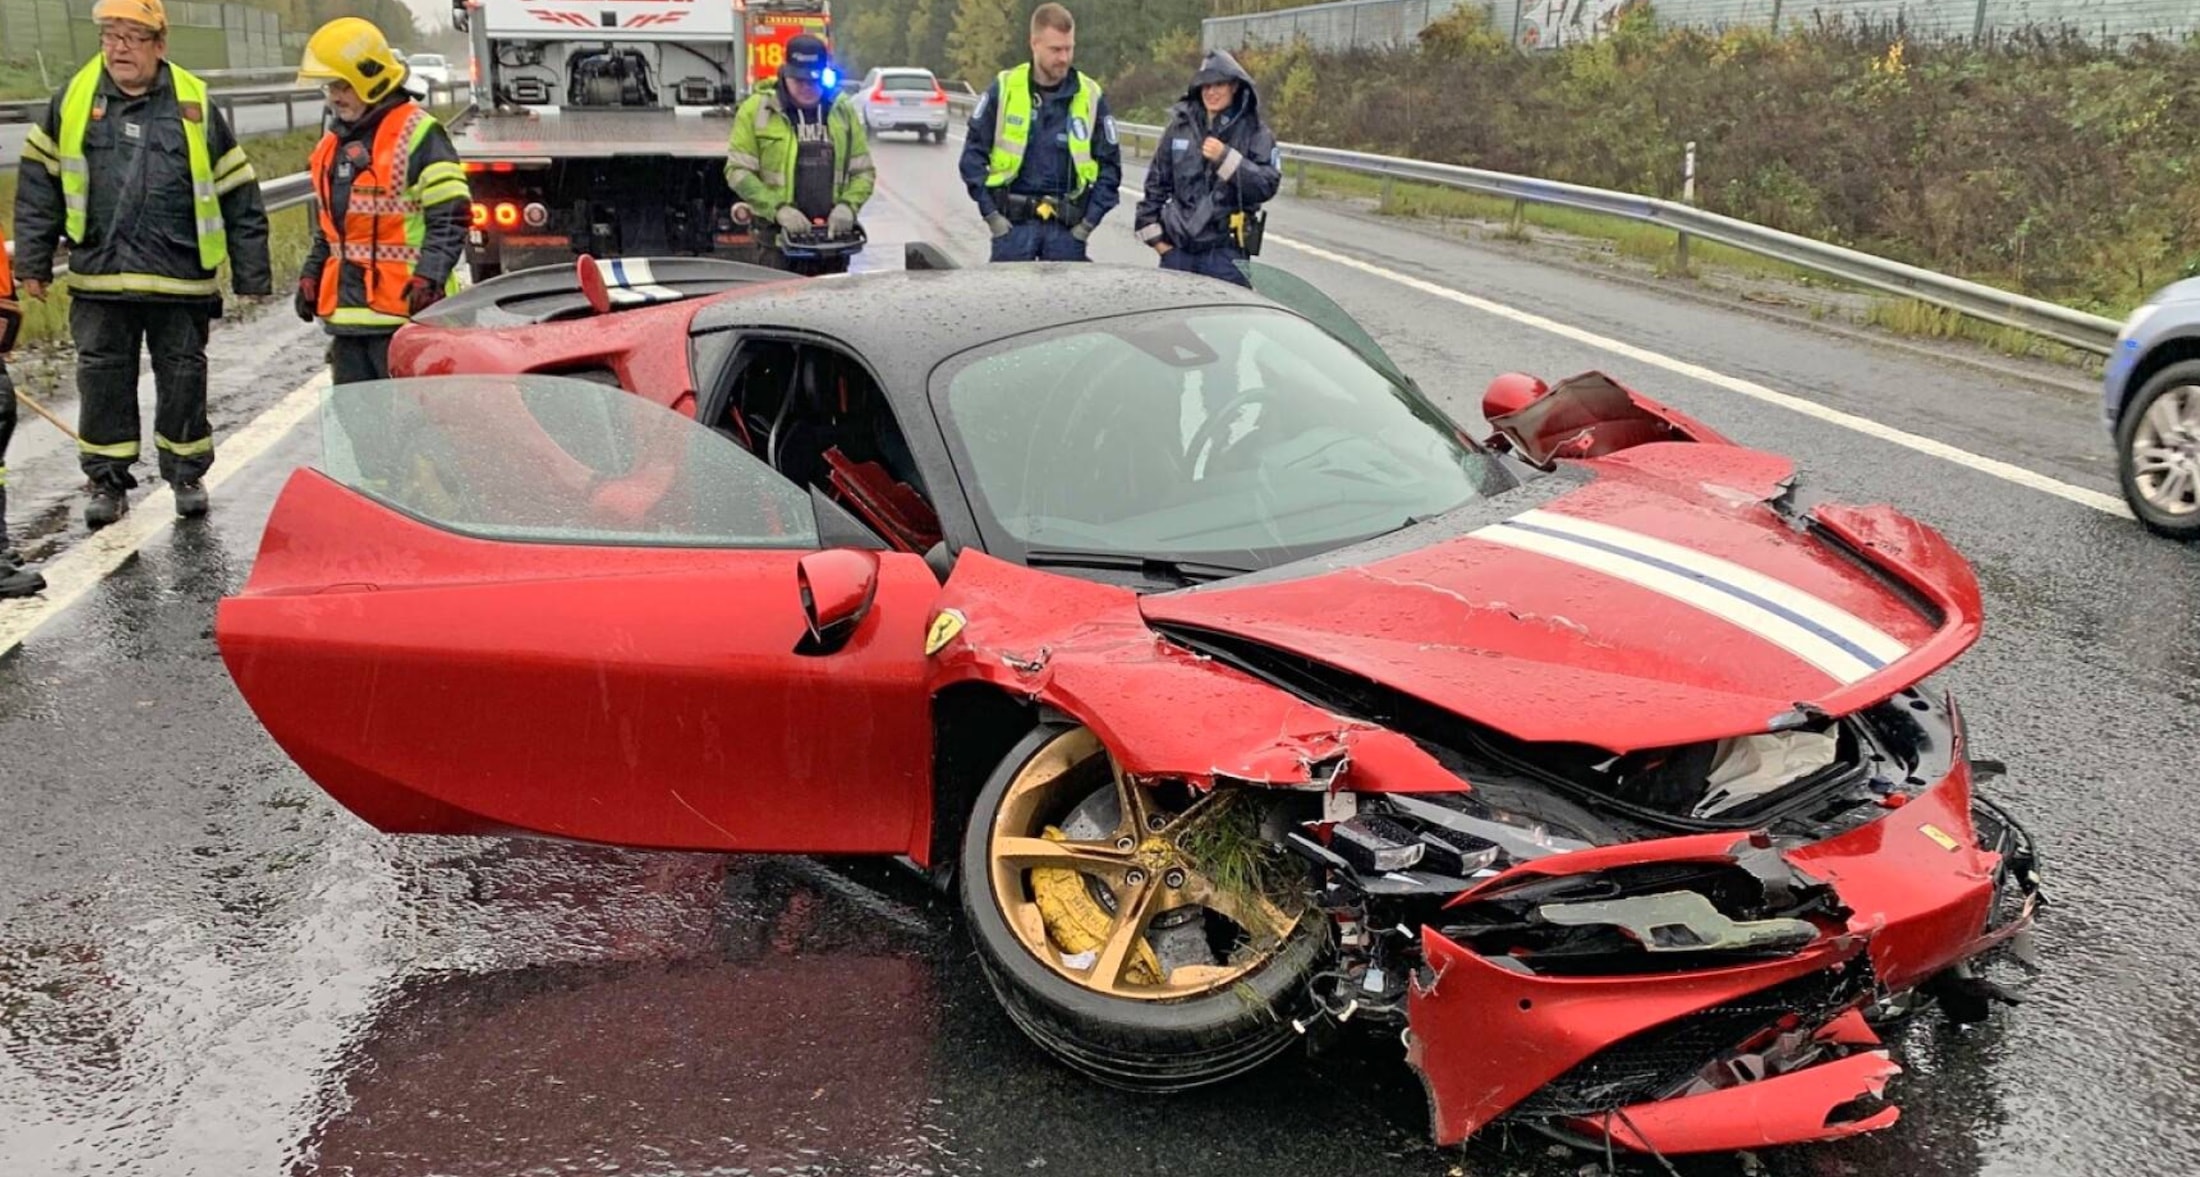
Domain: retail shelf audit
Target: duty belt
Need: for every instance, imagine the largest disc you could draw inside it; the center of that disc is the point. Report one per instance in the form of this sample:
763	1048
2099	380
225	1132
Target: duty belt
1019	209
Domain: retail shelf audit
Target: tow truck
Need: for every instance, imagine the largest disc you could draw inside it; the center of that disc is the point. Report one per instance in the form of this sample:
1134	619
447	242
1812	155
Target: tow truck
599	127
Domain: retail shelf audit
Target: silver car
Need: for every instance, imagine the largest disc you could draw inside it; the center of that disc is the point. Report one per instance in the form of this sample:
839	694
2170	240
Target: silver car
903	99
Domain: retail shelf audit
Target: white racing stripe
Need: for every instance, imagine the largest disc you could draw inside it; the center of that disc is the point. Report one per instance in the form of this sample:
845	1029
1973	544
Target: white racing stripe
1838	658
78	572
2107	504
1867	638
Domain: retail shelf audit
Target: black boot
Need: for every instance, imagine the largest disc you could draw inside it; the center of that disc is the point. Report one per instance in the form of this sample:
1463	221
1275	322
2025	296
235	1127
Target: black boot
191	499
16	580
106	505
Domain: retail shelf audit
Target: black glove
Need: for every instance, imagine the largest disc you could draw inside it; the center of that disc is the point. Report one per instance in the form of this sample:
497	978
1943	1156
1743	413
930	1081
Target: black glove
307	301
420	294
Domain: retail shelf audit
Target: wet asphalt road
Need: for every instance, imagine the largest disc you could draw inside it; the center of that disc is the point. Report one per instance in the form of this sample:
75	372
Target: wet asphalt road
205	968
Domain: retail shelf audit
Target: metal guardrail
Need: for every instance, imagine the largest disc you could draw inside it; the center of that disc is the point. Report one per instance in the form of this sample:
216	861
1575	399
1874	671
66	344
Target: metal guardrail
2078	329
2073	328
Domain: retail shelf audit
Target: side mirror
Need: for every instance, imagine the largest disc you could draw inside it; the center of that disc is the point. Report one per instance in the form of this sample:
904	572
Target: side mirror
837	588
1510	393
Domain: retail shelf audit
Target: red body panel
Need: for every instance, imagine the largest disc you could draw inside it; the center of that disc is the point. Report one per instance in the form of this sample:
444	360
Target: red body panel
1795	1108
1923	904
1545	650
1160	710
645	347
638	696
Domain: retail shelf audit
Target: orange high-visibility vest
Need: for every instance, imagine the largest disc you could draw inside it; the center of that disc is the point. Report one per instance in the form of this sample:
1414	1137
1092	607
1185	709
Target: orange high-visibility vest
383	223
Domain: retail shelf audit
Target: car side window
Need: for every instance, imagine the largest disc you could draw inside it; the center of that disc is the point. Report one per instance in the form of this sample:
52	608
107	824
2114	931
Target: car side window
816	415
546	459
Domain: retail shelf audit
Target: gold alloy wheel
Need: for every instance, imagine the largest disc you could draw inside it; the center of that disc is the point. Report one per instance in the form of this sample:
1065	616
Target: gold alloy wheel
1085	908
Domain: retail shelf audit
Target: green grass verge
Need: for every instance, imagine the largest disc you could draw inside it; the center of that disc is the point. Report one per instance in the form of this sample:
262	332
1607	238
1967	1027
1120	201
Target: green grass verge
19	80
46	322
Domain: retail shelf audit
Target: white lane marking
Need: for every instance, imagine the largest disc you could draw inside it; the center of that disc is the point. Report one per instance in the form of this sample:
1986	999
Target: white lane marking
1842	666
2007	472
81	569
1817	611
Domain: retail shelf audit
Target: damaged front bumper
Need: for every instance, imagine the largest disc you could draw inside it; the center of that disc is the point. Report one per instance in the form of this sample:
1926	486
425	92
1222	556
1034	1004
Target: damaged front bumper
1757	1044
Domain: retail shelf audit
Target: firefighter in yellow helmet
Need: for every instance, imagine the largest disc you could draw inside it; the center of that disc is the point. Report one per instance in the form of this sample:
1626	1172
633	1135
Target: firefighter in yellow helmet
138	170
394	201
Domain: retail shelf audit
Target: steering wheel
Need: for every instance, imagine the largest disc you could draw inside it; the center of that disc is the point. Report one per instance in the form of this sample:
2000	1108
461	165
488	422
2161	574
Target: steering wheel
1218	421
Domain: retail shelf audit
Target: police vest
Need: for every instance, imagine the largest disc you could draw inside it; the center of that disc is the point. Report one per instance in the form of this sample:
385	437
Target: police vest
384	222
206	205
1012	119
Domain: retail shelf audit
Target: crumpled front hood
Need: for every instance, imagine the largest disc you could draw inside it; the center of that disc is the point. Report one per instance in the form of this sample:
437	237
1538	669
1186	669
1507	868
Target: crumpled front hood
1662	603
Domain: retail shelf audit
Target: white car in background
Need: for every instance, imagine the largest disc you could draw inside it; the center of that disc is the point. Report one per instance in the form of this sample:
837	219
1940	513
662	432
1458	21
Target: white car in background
432	68
903	99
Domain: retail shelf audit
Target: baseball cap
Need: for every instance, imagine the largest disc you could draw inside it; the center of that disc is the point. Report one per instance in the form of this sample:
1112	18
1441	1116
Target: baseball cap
807	56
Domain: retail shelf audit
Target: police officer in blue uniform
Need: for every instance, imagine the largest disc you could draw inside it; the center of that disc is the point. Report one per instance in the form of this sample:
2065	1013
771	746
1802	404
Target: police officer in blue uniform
1041	159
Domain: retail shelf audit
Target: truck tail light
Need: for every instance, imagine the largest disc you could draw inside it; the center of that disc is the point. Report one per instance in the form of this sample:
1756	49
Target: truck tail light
480	215
507	214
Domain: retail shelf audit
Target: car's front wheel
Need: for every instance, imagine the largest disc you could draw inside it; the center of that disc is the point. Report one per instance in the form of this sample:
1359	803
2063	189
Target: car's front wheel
2158	452
1146	935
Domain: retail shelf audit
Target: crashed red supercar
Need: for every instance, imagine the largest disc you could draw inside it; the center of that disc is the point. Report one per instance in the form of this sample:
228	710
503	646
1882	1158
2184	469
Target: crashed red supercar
1233	689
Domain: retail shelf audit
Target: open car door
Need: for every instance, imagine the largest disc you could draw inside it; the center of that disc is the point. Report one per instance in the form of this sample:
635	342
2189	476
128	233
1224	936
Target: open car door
528	604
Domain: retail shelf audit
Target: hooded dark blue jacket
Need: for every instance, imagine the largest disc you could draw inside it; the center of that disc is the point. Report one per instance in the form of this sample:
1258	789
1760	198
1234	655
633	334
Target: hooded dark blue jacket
1188	200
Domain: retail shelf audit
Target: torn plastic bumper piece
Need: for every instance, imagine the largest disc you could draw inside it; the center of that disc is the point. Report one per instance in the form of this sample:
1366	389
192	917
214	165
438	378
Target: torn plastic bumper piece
1812	1104
1489	1038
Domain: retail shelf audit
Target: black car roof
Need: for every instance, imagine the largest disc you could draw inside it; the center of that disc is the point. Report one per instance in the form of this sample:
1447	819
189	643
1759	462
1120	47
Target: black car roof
904	322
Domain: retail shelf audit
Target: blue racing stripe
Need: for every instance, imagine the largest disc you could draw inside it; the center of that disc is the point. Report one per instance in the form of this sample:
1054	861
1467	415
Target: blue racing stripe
618	271
1740	594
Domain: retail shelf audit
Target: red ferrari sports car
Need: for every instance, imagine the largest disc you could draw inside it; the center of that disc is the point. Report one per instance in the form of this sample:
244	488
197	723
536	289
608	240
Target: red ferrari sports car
1233	688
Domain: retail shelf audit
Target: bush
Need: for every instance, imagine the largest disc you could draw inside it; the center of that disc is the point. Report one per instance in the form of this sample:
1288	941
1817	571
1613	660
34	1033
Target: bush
2038	161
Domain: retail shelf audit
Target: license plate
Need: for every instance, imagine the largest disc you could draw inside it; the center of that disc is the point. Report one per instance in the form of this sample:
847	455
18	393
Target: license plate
912	102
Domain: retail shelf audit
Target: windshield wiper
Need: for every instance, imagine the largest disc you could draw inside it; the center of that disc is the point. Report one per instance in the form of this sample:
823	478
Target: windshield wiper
1151	567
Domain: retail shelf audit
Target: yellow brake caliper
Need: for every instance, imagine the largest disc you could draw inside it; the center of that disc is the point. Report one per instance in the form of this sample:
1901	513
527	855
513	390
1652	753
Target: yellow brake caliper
1078	925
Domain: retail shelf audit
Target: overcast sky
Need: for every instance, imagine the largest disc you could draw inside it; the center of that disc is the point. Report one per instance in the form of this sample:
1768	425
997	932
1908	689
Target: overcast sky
432	15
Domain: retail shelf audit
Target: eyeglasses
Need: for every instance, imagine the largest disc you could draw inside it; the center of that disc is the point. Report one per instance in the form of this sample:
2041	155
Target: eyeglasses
120	40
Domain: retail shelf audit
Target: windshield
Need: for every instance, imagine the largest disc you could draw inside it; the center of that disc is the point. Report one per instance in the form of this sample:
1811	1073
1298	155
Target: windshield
426	59
911	82
547	459
1240	437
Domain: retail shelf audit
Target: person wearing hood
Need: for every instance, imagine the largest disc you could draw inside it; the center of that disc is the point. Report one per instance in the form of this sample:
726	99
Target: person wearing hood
798	154
394	202
1214	167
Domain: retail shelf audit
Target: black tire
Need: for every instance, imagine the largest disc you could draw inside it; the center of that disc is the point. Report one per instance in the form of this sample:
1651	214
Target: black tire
2182	527
1150	1046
